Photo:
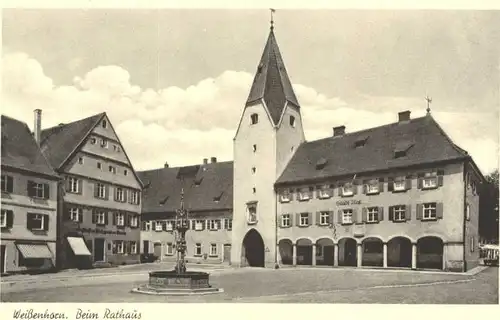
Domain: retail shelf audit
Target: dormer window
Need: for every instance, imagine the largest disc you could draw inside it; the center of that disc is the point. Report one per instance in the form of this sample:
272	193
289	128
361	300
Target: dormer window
325	192
429	182
285	196
401	149
347	189
292	121
400	185
321	163
372	188
104	124
305	194
254	118
360	142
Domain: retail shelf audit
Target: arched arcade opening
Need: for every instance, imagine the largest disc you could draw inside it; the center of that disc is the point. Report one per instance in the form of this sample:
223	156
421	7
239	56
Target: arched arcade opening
252	251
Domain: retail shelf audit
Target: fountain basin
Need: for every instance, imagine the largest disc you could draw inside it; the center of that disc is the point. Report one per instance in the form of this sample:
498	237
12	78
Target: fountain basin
171	283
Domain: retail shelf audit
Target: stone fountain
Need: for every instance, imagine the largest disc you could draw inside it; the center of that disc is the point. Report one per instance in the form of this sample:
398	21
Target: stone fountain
179	281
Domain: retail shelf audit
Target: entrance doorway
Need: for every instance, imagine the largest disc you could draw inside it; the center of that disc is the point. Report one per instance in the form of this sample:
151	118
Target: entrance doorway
227	253
2	259
99	248
253	249
347	252
157	249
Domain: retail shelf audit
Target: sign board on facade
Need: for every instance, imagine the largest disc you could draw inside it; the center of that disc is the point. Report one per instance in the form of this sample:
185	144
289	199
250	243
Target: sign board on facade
348	202
102	231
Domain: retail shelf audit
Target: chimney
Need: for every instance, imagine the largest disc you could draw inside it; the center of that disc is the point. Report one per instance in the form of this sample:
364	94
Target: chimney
166	165
213	160
205	160
37	128
404	116
338	131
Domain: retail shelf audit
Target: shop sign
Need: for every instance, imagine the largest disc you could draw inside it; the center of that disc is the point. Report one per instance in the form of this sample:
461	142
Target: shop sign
102	231
348	202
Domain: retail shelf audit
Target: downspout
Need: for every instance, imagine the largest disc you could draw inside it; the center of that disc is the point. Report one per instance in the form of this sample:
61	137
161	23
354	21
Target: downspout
464	175
276	247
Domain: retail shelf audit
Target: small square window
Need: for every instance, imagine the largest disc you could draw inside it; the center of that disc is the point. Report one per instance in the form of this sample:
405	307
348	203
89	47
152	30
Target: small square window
125	172
104	124
80	160
372	188
304	219
292	121
254	148
347	190
254	190
104	143
399	185
285	196
93	140
112	169
254	169
99	165
429	182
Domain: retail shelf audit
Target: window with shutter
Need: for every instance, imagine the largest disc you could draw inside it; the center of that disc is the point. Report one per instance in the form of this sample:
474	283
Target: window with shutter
324	218
285	220
304	219
7	184
429	211
6	219
398	213
347	216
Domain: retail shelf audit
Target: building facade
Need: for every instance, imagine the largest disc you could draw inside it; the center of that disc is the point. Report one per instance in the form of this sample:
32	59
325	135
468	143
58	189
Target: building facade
100	195
28	219
207	193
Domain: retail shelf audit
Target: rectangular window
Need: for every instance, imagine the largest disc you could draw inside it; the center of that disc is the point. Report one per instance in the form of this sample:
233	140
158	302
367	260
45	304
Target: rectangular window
158	226
213	224
120	219
118	246
120	194
429	182
101	190
7	184
37	221
285	196
99	166
73	185
169	226
472	244
104	143
372	214
38	190
125	172
228	224
197	249
198	225
429	211
76	214
467	212
134	221
304	194
213	250
399	213
146	226
133	247
304	219
252	213
372	188
134	197
169	249
324	192
285	220
347	189
3	219
324	218
112	169
400	185
99	217
346	216
93	140
80	160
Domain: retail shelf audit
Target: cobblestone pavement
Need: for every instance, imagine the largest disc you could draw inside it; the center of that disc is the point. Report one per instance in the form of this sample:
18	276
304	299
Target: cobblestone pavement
284	285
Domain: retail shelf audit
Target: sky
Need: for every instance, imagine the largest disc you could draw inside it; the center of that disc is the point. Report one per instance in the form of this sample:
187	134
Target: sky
174	82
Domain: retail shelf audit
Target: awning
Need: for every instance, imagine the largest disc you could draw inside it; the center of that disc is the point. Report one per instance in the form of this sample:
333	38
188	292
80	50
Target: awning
34	251
78	246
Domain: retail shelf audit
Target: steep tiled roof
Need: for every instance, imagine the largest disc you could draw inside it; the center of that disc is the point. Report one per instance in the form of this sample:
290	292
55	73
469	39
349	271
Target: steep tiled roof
19	149
60	141
271	81
206	187
422	138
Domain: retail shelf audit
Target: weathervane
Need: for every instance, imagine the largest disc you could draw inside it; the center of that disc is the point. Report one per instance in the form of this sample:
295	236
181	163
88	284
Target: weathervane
429	101
272	18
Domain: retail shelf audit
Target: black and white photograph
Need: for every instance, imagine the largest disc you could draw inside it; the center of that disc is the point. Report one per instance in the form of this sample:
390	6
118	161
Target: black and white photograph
251	155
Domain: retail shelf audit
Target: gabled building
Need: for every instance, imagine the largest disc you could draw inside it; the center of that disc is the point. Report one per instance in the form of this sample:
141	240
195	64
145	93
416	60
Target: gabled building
208	195
28	219
99	219
400	195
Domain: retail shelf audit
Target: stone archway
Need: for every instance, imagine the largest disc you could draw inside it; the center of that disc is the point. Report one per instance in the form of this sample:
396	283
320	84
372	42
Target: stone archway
324	252
286	251
373	252
430	253
253	251
348	252
399	251
304	251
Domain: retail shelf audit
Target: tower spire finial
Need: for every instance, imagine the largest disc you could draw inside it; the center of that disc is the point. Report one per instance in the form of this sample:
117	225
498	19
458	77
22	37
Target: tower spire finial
272	18
429	101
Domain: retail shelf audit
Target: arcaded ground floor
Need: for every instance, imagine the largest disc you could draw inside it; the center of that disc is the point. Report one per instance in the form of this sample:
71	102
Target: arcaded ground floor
287	285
